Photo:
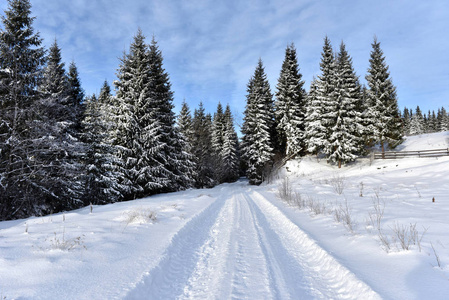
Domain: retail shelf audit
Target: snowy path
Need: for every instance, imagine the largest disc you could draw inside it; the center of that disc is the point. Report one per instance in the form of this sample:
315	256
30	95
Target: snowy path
243	247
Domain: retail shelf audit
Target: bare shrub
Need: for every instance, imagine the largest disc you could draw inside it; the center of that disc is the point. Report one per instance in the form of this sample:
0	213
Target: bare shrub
285	191
377	213
299	201
407	236
315	206
59	242
342	214
338	183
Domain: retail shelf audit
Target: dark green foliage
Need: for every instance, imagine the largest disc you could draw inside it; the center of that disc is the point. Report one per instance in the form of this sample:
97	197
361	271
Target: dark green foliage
258	128
387	128
290	106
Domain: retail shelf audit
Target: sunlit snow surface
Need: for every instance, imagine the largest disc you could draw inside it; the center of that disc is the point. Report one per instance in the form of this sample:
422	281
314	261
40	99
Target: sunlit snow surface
237	241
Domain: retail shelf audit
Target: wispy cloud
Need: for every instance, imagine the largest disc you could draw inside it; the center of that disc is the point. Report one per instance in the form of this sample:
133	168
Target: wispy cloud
211	47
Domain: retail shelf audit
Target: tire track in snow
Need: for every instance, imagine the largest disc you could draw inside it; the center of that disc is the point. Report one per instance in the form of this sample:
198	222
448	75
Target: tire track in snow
244	259
232	264
170	276
328	279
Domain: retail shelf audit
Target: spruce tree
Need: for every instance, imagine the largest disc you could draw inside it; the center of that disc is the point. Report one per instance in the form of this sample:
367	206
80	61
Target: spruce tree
257	142
345	141
101	179
315	133
184	122
442	119
229	154
382	94
406	121
202	149
178	165
75	92
21	64
61	149
290	106
322	108
135	133
217	140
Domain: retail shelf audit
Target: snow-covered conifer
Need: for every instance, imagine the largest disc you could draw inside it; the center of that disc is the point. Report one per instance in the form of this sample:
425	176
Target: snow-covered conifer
229	154
202	149
382	94
21	64
290	106
257	142
345	139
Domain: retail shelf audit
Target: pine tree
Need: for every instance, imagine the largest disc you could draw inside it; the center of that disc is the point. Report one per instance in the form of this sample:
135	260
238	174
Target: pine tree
345	141
315	133
102	181
75	93
151	146
417	125
257	143
179	165
382	94
406	118
21	64
290	106
184	122
61	149
442	119
217	141
135	133
229	153
322	104
202	149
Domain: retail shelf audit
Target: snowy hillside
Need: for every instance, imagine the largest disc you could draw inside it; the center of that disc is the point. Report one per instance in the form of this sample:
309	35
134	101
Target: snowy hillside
316	232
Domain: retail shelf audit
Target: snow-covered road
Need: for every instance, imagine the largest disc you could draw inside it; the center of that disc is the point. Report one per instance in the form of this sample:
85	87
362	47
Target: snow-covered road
243	247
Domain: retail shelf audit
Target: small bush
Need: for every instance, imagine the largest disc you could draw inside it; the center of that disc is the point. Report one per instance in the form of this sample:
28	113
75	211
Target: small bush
59	242
338	182
140	216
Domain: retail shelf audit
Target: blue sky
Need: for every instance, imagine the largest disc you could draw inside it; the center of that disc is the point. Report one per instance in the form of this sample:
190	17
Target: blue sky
211	48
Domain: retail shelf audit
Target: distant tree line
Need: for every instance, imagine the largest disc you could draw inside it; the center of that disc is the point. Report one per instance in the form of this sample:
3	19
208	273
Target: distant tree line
419	122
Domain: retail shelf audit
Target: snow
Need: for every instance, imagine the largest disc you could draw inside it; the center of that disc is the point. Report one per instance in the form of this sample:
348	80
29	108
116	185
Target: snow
237	241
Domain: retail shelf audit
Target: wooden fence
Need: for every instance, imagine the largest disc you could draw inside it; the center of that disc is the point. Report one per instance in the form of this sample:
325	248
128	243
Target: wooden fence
420	153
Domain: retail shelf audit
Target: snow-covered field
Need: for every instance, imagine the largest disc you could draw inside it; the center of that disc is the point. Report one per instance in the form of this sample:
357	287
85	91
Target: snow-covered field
338	237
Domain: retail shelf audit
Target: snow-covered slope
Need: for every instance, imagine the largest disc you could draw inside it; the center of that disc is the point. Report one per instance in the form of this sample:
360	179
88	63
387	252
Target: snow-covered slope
242	242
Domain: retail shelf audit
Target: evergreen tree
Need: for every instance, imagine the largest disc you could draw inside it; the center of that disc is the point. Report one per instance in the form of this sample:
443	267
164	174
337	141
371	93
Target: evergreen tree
179	165
102	182
151	146
136	132
442	119
433	123
21	63
61	149
217	140
345	141
229	153
382	95
202	149
290	106
321	122
315	133
406	118
185	122
75	92
257	143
